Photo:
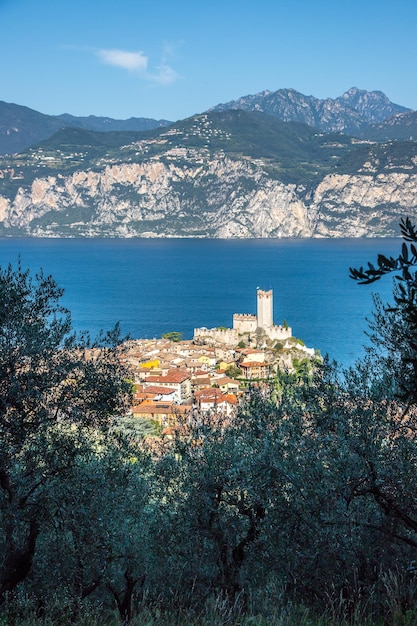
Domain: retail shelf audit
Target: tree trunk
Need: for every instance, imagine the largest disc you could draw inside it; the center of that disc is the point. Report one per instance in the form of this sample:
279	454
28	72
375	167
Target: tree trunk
18	561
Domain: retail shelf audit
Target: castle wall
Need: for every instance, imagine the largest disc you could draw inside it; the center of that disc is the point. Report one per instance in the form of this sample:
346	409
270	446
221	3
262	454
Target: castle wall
277	333
211	336
244	323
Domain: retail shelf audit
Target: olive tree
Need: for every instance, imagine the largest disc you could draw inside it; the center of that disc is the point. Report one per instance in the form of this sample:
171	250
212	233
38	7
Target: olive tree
394	327
389	464
258	497
93	552
58	395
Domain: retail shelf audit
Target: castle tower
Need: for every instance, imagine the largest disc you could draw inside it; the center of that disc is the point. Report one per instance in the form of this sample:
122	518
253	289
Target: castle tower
265	309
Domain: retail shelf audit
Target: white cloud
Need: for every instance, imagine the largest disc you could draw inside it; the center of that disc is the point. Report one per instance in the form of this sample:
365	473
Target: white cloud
133	61
164	75
138	63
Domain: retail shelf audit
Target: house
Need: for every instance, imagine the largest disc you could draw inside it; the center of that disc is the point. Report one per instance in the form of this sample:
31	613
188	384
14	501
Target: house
224	365
164	394
209	360
174	379
213	400
201	382
227	384
165	413
251	356
150	365
254	370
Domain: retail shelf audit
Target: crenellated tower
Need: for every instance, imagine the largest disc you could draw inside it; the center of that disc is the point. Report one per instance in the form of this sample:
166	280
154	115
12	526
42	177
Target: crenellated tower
265	315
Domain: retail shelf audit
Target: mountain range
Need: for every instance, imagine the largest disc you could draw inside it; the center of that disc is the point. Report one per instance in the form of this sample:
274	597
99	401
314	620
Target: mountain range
21	127
266	165
351	113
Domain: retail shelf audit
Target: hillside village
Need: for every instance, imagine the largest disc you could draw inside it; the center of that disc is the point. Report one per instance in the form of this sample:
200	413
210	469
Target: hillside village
211	372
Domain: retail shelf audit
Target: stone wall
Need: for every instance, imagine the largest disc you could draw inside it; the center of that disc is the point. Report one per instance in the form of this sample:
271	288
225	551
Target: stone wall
211	336
244	323
278	332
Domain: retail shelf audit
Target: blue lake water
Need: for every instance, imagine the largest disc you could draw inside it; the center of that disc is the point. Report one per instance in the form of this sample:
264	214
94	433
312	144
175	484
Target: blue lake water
152	286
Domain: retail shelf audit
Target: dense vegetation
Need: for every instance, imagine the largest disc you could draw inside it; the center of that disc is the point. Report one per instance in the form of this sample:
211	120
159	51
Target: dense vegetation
302	510
401	127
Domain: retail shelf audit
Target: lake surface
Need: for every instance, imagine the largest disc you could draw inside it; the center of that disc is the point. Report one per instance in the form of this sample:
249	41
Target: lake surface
153	286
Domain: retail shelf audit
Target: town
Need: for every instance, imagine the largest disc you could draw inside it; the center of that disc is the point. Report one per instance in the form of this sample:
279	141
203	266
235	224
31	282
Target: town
210	373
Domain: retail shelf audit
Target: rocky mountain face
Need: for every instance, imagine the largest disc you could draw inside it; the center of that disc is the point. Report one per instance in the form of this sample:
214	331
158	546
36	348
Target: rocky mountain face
222	198
350	113
402	126
373	106
207	177
198	196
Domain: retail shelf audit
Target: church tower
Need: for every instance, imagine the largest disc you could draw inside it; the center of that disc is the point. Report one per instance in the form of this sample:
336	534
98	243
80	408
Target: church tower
265	309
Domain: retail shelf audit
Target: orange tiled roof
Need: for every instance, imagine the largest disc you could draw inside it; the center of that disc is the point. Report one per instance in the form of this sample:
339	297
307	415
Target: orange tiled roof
159	408
226	380
230	398
158	389
173	376
210	392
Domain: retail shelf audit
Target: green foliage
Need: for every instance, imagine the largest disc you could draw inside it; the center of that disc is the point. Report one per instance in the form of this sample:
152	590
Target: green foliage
402	128
302	367
65	219
397	156
293	152
58	397
137	427
385	265
174	336
394	327
233	371
75	138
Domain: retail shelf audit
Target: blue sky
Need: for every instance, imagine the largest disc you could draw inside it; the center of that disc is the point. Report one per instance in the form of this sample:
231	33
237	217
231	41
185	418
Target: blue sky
172	59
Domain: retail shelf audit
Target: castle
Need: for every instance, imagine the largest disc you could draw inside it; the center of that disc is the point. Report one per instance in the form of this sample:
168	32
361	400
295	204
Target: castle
245	324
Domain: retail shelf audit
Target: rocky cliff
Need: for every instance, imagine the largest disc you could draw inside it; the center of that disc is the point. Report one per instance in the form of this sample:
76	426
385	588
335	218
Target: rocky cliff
215	197
211	176
219	197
